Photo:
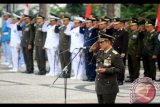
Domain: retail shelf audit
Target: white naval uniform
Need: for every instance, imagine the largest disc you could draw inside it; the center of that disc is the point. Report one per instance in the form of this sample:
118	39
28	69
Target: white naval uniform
15	45
78	65
51	45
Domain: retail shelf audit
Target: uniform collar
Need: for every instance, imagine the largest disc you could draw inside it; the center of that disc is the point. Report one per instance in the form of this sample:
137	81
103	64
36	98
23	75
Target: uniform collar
108	50
152	31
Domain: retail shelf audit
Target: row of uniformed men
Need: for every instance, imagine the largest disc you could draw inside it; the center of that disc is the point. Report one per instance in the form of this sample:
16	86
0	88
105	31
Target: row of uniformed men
65	39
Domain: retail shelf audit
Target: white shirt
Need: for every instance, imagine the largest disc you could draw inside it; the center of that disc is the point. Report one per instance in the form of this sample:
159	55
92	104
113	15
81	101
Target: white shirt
52	39
15	36
77	39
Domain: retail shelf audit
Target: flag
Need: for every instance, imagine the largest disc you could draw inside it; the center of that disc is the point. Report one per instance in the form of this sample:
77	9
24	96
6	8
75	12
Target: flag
26	9
158	19
88	10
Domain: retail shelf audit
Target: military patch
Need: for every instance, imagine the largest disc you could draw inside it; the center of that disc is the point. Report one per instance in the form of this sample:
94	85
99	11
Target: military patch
115	52
134	36
26	29
107	62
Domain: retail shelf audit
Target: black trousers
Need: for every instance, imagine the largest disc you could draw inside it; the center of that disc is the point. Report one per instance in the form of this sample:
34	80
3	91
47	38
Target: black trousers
149	67
106	98
28	58
41	60
158	60
121	76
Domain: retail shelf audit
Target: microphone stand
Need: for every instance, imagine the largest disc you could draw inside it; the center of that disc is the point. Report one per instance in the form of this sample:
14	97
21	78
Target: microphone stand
64	72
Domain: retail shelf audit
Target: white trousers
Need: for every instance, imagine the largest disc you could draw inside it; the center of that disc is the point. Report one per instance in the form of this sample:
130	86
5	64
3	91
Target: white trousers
15	54
78	67
53	60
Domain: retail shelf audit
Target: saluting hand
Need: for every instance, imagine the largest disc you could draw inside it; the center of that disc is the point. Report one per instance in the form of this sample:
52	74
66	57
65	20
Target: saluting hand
154	56
94	47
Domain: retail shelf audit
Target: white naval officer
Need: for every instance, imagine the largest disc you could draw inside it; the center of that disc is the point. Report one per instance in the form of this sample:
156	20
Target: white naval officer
51	46
15	42
77	41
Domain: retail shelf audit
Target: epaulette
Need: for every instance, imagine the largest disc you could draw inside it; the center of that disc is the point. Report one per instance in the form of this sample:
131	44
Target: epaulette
115	52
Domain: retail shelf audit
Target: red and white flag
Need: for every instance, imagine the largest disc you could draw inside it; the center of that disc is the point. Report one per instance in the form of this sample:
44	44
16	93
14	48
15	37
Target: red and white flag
88	10
26	9
158	19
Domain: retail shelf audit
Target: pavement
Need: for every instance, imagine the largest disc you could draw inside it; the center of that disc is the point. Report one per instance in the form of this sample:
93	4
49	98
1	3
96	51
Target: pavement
18	87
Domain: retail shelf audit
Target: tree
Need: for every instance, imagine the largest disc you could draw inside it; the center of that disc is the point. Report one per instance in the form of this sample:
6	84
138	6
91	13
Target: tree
75	9
43	9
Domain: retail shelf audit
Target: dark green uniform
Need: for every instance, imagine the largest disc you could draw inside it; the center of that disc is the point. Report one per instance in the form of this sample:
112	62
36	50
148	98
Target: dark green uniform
28	35
134	55
64	46
150	48
106	83
40	52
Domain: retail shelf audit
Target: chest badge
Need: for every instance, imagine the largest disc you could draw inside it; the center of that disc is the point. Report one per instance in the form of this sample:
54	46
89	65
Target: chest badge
107	62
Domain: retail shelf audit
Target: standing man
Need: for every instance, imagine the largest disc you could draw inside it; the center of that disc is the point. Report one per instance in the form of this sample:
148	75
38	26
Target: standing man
120	44
39	45
150	49
15	42
108	64
64	44
77	41
5	38
27	43
134	50
90	37
51	46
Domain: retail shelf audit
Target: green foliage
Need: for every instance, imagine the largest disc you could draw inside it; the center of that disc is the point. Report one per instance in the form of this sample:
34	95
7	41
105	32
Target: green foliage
57	10
75	9
139	10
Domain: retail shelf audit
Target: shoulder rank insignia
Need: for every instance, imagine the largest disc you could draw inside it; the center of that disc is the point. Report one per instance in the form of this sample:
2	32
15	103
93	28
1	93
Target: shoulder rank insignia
115	52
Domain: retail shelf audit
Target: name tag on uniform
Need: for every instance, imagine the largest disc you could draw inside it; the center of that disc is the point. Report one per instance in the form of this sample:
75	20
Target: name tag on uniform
134	36
107	62
39	29
26	29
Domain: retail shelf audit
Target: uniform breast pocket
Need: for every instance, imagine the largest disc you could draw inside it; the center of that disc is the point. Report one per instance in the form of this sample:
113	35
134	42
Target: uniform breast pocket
26	29
107	62
134	37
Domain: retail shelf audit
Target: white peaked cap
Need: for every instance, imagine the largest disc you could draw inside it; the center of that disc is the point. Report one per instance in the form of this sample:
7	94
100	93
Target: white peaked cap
15	15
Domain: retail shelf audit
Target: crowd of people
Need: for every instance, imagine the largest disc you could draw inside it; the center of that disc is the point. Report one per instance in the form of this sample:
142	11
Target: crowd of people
60	39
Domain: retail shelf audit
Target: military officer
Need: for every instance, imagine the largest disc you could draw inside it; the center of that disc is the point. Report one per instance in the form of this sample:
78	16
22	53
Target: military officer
90	36
134	50
27	42
51	46
39	45
150	49
108	64
64	44
5	38
77	41
120	44
15	42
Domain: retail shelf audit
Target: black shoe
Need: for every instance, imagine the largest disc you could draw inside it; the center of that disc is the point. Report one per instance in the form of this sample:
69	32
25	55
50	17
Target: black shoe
40	73
120	82
29	72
